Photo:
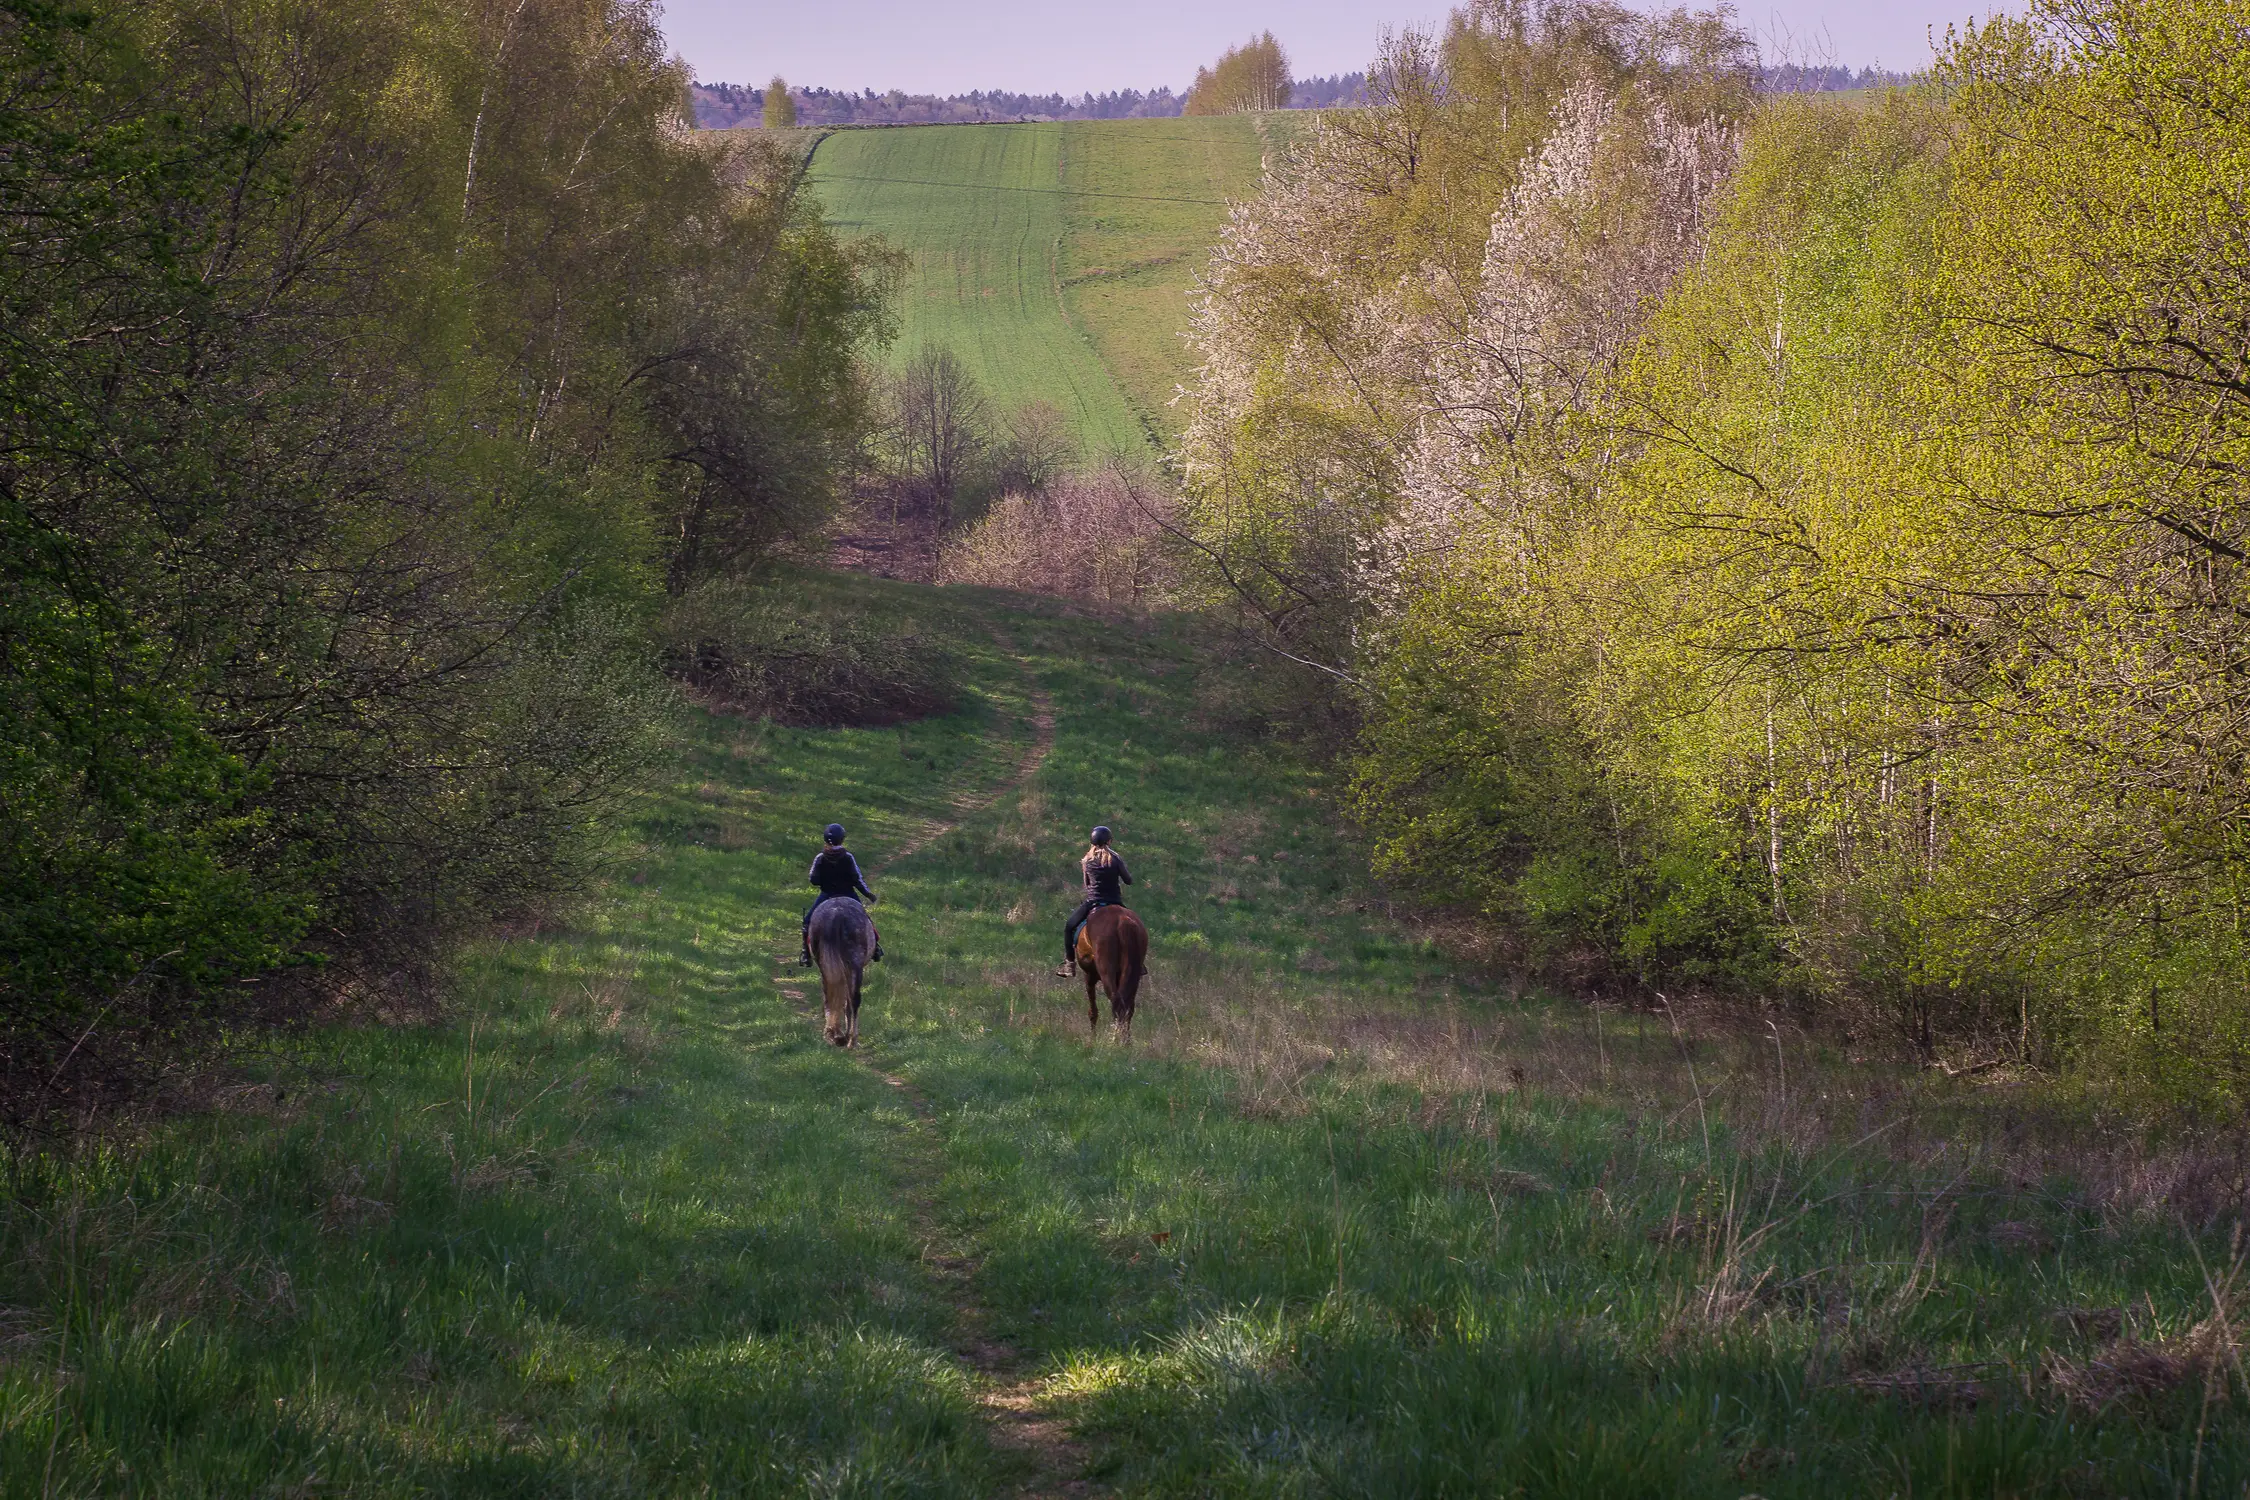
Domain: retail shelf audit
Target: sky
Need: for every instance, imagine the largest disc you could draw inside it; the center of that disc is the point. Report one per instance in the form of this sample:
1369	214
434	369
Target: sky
1059	46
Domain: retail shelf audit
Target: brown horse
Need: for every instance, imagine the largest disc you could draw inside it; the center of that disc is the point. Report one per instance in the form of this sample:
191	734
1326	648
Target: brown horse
1113	949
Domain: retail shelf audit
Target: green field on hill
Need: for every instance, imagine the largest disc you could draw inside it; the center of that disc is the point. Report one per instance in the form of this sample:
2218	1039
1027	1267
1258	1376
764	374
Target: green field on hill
1142	219
1353	1218
1055	259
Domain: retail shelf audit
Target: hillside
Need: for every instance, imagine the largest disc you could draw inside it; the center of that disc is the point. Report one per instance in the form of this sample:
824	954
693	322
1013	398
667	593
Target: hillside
1055	259
1147	206
1355	1217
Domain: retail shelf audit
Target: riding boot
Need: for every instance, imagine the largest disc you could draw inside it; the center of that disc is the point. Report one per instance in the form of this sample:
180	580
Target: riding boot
878	954
1069	970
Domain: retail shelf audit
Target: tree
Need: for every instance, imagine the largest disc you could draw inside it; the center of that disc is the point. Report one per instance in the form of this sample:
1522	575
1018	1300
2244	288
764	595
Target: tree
1253	76
780	106
940	423
757	377
1036	448
344	435
1339	322
1796	547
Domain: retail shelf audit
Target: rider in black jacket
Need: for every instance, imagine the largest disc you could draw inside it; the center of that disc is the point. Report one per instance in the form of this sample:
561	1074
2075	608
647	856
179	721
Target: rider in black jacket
836	872
1105	876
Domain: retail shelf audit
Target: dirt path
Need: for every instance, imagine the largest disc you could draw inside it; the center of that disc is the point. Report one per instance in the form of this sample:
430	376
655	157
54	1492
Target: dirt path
1050	1461
966	807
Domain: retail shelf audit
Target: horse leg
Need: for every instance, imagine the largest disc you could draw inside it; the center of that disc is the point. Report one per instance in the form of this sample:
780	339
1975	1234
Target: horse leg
859	978
1087	972
827	995
1128	968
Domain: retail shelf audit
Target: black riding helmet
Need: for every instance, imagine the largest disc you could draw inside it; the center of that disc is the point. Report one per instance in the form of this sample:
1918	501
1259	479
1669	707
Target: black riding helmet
1101	837
834	834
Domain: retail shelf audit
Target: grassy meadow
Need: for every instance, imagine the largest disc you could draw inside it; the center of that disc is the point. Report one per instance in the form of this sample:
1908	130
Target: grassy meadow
1146	208
1355	1216
1054	259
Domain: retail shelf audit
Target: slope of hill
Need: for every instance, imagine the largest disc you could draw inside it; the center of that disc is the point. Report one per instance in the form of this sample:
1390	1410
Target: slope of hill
1352	1218
979	208
1055	259
1148	203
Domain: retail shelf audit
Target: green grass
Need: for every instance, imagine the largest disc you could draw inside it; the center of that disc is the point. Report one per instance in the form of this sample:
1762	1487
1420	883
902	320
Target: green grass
1147	210
1045	290
1350	1220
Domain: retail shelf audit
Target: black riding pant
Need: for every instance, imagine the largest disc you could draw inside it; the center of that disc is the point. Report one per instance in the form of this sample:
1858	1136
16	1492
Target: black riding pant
1077	920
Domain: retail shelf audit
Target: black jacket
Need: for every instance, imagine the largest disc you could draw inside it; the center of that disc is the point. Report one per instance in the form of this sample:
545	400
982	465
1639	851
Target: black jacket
1105	873
837	874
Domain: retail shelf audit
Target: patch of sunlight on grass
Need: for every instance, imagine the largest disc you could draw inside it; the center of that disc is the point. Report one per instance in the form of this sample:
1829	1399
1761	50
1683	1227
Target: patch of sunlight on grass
1088	1374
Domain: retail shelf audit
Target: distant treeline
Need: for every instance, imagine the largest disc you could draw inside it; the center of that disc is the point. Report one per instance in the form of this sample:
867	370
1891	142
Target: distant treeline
722	106
1796	78
1338	91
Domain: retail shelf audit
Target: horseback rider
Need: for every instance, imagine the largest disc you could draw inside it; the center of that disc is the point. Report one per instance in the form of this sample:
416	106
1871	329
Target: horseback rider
1105	875
836	872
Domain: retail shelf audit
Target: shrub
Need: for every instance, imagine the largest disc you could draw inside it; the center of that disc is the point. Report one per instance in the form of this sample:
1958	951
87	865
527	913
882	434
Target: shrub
1096	536
754	650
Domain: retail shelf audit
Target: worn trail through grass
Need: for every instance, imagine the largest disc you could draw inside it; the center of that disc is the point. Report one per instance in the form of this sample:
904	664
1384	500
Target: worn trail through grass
1042	723
1353	1217
1012	1403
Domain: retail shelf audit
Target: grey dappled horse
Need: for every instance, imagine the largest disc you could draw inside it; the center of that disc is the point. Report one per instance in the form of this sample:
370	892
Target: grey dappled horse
842	936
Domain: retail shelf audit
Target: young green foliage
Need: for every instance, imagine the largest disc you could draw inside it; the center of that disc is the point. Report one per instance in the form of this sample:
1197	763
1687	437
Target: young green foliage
778	107
1251	77
1810	569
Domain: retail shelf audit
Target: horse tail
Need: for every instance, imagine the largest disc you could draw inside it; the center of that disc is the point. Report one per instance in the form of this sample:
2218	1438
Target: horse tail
842	937
1129	961
1129	989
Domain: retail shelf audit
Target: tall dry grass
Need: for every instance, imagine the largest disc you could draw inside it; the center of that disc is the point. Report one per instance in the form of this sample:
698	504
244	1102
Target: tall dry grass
1731	1089
1717	1141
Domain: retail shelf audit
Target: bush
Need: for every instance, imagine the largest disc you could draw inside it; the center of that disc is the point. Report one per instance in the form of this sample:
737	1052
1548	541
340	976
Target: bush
1088	536
755	651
